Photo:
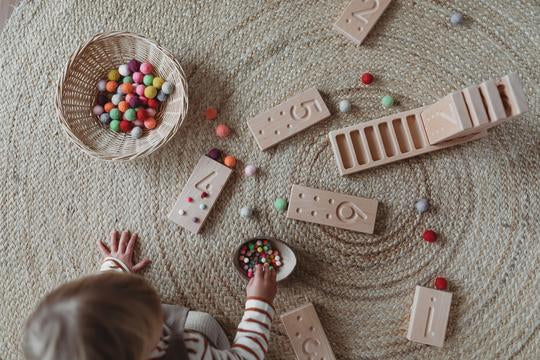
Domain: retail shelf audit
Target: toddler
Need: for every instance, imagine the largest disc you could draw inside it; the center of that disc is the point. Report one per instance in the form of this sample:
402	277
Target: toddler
117	315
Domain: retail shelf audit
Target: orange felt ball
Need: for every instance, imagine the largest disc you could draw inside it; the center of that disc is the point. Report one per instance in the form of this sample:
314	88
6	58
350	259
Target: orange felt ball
123	106
126	88
230	161
111	86
108	106
222	131
150	123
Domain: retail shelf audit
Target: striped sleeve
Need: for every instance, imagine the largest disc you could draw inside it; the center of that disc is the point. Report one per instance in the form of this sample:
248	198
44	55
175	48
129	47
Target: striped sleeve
113	264
251	341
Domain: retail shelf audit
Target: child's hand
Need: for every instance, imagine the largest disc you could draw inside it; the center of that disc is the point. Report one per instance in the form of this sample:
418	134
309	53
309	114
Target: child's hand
263	284
123	250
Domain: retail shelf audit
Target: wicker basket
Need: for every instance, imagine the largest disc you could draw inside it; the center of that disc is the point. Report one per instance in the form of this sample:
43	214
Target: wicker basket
77	92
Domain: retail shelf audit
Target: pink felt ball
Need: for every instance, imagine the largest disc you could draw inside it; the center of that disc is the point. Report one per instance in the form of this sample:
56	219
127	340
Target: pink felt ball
147	68
143	100
139	123
130	96
223	131
140	90
151	112
138	77
250	170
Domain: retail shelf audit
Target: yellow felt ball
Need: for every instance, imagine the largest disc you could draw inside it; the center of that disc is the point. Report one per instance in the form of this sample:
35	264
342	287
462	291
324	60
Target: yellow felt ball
113	75
158	81
150	92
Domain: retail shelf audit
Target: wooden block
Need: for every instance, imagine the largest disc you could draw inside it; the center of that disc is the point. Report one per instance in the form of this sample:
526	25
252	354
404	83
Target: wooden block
477	110
513	95
493	102
288	118
209	176
359	17
402	135
307	334
332	209
429	316
446	119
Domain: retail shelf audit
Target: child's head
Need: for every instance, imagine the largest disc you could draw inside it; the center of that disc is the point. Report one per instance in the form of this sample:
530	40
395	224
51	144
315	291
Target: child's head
106	316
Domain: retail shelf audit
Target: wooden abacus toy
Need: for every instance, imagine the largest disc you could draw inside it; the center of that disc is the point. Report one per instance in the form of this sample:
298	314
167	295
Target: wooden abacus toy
456	119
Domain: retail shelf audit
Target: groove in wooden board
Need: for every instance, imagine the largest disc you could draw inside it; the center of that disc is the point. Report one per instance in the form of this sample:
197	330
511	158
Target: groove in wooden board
288	118
429	316
332	209
306	334
477	111
359	17
208	176
516	95
493	102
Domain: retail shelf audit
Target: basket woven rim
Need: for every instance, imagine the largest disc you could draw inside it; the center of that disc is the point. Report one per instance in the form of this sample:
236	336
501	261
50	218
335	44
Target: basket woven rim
65	124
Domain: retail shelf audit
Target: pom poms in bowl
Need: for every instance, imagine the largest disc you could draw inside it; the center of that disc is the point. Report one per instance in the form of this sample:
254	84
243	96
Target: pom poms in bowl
100	59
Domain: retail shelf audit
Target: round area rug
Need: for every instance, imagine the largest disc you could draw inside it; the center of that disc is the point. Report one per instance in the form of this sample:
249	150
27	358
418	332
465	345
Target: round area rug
244	57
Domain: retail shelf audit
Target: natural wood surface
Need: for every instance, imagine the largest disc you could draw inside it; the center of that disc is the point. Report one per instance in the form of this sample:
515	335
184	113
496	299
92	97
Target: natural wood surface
6	7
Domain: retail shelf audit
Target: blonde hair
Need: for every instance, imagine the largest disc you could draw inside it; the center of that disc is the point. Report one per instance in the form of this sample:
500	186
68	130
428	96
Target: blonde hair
107	316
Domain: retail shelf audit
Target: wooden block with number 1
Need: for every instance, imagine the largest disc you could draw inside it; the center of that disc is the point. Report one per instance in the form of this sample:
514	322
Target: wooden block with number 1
333	209
359	17
200	194
307	334
288	118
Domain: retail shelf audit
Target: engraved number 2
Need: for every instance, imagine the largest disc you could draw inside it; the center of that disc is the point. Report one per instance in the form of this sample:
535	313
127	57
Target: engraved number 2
364	13
304	110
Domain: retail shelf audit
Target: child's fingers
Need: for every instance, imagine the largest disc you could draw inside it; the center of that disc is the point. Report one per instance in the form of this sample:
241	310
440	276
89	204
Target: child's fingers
131	243
123	241
259	272
141	265
104	249
114	241
273	274
266	271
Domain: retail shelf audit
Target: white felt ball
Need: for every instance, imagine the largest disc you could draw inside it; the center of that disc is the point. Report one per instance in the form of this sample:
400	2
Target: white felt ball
102	85
98	110
167	88
136	132
124	70
116	98
250	170
345	106
422	205
246	212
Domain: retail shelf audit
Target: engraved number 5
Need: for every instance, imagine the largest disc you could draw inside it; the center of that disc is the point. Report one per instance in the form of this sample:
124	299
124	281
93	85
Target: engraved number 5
304	110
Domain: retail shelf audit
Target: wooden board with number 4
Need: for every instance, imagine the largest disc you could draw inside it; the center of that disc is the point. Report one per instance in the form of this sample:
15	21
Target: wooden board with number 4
199	194
333	209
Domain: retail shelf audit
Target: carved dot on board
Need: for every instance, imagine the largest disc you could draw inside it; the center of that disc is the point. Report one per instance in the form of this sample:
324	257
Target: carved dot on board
316	198
311	328
328	216
298	210
276	132
298	318
281	113
289	126
260	132
301	196
330	201
269	119
313	213
348	20
297	334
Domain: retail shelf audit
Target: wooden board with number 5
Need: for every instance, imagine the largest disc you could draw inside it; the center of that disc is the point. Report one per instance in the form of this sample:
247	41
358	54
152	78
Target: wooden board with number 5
288	118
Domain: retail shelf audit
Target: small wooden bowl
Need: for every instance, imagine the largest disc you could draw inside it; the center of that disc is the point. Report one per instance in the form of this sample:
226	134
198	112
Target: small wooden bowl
287	255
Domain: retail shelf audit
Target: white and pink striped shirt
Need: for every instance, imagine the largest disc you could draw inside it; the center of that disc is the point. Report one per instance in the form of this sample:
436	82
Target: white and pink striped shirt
252	336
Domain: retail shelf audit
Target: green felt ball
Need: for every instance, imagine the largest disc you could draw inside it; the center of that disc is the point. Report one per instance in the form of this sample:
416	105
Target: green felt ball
115	114
115	125
148	79
280	204
130	114
127	80
387	101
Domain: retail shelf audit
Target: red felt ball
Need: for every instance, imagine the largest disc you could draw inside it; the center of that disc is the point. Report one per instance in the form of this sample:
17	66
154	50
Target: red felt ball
126	126
367	78
211	113
430	236
441	283
143	100
142	114
153	103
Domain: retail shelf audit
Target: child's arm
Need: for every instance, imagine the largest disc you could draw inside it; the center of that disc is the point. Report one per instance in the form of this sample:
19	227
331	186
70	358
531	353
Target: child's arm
253	334
120	256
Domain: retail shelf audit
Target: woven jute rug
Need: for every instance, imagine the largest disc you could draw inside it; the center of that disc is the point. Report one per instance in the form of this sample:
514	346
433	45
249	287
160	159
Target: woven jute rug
244	57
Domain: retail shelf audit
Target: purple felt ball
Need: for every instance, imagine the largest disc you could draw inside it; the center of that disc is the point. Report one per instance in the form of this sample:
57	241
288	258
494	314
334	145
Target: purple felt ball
134	102
214	154
102	99
134	65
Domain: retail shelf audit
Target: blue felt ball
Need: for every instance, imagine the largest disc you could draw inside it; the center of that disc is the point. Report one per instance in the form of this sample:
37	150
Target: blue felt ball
345	106
105	118
136	132
422	205
161	96
116	98
456	18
